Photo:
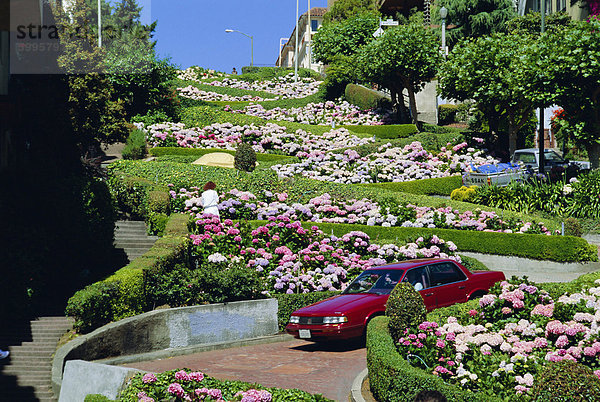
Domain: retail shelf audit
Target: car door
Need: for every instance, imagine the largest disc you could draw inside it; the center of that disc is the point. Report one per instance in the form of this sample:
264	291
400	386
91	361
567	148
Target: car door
448	284
419	278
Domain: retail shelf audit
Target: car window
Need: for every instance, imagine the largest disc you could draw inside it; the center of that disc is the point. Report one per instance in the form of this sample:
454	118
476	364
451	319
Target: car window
525	157
417	277
375	281
444	273
553	156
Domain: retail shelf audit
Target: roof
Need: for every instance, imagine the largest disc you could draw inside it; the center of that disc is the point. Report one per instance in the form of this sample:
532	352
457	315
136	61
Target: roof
318	11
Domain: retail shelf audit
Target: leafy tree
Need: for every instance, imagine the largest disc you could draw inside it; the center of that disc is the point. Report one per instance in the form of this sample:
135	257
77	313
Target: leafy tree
340	72
97	116
475	18
344	9
531	23
345	37
404	57
491	71
571	75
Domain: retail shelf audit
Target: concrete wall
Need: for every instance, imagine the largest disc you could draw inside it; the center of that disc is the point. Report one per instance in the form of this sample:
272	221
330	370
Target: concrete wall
427	103
171	329
82	378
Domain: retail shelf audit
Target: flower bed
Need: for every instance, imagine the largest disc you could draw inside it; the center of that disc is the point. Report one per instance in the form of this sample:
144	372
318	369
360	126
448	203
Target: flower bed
285	87
270	138
199	73
246	205
194	93
500	347
322	113
292	259
389	164
187	385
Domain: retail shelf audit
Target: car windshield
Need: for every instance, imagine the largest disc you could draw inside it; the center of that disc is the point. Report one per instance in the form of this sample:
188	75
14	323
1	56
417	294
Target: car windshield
379	281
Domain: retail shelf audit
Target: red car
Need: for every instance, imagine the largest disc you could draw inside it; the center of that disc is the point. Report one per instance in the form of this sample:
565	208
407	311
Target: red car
441	282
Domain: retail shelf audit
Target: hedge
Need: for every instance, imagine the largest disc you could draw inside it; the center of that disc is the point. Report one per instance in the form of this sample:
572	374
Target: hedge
365	98
202	116
392	378
534	246
288	303
198	152
447	113
385	132
123	294
436	186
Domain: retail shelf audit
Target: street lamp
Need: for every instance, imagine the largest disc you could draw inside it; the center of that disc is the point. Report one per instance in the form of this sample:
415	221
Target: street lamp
443	15
251	43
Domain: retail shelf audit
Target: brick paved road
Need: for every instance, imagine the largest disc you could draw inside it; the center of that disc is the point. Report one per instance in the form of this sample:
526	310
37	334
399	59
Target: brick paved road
327	369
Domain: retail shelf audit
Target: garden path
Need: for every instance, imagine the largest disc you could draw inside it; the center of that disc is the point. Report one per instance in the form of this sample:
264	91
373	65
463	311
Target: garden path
327	369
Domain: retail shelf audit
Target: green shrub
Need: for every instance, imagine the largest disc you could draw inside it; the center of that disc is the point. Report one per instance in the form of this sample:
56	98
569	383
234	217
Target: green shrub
436	186
385	132
96	398
460	311
288	303
152	117
447	114
473	264
405	308
156	223
573	227
158	201
464	194
392	378
135	147
219	284
202	116
125	292
566	381
245	158
365	98
432	128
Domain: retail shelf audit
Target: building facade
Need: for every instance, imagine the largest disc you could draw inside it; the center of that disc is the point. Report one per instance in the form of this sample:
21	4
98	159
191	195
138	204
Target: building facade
308	24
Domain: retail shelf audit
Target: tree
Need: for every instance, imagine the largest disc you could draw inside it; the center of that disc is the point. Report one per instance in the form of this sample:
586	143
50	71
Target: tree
404	57
475	18
493	72
97	116
344	38
344	9
571	73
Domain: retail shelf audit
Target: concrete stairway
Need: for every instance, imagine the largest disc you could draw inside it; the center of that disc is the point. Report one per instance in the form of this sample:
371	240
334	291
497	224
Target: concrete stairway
131	237
26	374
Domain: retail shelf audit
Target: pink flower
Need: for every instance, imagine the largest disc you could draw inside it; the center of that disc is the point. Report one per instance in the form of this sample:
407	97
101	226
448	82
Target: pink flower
149	378
176	389
506	310
196	376
472	313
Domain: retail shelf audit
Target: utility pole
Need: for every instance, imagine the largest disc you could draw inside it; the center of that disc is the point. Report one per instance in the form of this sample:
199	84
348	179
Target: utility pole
541	132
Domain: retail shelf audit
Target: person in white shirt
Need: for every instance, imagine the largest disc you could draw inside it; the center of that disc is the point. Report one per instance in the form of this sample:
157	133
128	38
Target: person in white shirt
210	199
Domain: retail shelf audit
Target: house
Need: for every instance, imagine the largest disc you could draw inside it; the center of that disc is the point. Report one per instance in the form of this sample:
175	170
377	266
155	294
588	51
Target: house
577	10
308	24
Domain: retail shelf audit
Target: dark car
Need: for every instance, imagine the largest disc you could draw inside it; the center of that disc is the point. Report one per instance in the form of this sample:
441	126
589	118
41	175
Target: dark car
441	282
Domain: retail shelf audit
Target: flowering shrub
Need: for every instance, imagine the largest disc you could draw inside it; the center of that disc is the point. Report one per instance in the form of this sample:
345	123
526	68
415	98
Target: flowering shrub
245	205
198	73
269	138
191	92
285	87
323	113
292	259
187	385
389	164
501	347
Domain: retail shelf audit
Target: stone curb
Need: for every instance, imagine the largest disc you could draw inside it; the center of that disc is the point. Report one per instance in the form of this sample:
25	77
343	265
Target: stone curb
356	390
166	353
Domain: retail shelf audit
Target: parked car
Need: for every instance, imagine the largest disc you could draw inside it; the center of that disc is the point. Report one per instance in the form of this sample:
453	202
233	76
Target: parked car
441	282
530	157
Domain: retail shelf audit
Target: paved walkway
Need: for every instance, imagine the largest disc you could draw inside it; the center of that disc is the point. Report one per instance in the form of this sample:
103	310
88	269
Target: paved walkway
327	369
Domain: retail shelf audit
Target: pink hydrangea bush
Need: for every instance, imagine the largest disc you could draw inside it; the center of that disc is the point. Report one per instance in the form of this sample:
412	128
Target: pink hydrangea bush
244	205
501	347
389	164
292	259
286	87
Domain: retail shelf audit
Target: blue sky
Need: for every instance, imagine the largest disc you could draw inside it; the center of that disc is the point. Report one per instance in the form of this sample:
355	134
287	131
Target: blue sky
192	32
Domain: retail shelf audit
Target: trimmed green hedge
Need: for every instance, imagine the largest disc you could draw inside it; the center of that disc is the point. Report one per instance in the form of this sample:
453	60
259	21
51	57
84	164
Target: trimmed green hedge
365	98
198	152
290	303
123	294
447	113
385	132
436	186
538	247
392	378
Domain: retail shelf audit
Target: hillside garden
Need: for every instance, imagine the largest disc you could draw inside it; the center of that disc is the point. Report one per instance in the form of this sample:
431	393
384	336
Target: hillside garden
335	191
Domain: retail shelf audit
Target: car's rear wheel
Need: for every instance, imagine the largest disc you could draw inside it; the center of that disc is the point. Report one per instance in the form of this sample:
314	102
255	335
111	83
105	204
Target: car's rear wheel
477	294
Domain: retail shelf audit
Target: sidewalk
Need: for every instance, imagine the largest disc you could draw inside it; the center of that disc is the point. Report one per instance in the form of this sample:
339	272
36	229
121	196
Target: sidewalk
327	369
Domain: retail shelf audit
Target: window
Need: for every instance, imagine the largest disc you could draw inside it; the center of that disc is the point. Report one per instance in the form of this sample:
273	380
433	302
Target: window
375	281
417	277
314	25
525	158
444	273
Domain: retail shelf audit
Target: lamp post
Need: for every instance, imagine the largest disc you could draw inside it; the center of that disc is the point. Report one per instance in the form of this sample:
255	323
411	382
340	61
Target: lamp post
541	134
99	25
443	15
251	43
296	51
